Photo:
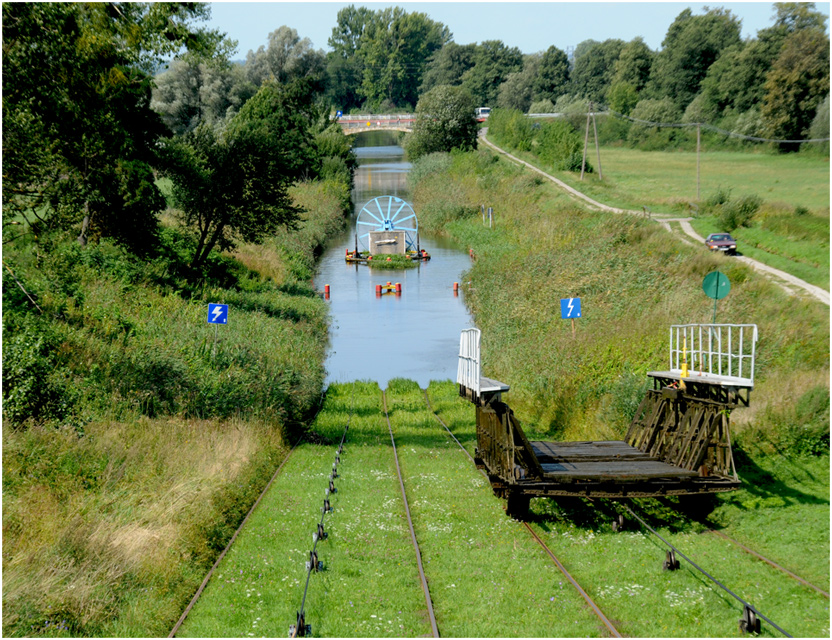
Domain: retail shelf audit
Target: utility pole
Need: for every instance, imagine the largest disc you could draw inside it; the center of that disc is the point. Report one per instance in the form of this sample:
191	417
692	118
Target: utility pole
698	127
586	141
597	149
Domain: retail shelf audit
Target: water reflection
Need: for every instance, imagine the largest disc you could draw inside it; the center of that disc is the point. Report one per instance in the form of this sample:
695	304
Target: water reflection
414	335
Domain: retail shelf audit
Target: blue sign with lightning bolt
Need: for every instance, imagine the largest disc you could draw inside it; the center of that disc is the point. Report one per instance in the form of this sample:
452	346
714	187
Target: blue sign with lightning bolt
217	313
570	308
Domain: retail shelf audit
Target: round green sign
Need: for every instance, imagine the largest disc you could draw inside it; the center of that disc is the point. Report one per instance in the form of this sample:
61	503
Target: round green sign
716	285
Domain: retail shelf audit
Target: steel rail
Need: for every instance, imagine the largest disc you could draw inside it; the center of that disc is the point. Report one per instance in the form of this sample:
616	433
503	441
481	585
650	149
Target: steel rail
575	584
613	631
199	591
701	570
770	562
424	580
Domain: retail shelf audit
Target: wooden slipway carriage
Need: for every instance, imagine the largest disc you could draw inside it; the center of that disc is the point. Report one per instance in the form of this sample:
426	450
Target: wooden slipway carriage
678	442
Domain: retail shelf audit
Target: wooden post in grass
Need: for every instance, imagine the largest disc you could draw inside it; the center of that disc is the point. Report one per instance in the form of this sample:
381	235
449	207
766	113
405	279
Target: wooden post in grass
597	149
586	141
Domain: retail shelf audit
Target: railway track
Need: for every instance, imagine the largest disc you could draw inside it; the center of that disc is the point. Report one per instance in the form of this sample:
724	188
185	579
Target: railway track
750	622
424	581
595	608
409	478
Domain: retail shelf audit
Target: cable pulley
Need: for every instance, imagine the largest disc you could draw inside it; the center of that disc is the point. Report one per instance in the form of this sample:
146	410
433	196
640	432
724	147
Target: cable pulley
749	623
670	563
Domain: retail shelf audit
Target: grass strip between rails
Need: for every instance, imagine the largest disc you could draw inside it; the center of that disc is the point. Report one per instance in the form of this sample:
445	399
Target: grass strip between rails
369	586
487	576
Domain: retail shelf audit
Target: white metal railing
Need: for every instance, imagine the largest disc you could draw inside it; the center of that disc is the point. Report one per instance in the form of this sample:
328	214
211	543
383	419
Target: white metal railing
724	350
468	369
350	118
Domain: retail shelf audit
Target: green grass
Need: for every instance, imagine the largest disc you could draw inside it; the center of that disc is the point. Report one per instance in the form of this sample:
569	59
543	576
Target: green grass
665	183
634	282
134	441
666	180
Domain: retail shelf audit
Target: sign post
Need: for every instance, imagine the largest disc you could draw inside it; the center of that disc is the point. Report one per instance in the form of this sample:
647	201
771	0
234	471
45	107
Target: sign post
217	315
570	308
716	285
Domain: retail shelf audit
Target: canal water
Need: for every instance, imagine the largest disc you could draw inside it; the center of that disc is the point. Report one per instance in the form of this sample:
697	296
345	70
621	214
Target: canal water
414	335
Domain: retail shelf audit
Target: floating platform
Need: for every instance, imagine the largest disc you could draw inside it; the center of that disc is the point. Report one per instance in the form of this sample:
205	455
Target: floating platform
363	257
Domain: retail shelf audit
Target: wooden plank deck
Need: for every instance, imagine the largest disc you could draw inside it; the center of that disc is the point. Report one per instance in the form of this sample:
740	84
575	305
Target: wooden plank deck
601	460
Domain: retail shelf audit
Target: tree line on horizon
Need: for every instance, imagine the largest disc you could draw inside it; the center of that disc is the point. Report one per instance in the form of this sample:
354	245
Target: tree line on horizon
775	85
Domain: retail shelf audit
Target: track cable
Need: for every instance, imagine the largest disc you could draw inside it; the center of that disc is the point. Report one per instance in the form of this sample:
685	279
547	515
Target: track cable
748	607
424	580
610	627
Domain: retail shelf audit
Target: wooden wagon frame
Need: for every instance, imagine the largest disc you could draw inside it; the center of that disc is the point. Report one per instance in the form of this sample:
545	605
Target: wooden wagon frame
678	443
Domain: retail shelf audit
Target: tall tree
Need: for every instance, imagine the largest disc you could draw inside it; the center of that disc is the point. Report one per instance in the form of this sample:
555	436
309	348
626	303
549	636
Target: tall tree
344	66
79	134
444	121
286	57
234	183
395	55
493	62
552	79
517	90
797	83
593	72
633	64
447	65
691	46
192	92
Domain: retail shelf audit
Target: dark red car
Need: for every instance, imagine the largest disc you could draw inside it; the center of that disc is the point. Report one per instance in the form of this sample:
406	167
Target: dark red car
721	242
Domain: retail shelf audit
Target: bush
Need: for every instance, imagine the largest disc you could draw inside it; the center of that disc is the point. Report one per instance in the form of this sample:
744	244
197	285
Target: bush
559	145
511	128
739	213
34	385
542	106
649	137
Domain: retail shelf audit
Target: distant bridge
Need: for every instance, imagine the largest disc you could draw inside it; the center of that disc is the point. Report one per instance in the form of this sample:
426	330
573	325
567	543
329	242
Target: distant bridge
356	124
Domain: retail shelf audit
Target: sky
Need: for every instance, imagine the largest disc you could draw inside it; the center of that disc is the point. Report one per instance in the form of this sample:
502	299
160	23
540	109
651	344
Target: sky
529	26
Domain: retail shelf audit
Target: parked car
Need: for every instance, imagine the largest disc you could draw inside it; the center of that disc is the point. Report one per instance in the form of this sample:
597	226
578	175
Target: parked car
721	242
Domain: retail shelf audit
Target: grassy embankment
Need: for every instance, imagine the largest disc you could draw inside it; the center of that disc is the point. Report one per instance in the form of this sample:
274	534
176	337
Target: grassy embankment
150	440
782	511
790	231
634	281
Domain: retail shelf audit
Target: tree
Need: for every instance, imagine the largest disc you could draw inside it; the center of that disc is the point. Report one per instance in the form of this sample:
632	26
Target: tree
622	97
235	182
191	92
552	75
516	91
594	70
493	62
633	64
444	121
797	84
447	65
79	134
691	46
344	66
395	54
287	57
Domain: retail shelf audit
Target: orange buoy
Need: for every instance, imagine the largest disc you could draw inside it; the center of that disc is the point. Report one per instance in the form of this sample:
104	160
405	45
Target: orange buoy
398	287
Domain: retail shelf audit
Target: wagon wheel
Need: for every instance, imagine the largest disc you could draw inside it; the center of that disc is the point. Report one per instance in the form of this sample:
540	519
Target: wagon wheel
386	213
